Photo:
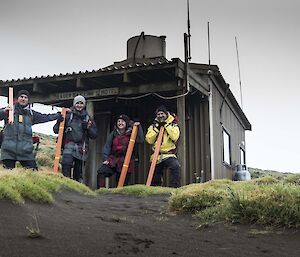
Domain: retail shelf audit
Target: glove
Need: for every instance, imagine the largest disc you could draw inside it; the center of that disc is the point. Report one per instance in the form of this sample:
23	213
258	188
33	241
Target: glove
84	125
60	118
156	124
162	124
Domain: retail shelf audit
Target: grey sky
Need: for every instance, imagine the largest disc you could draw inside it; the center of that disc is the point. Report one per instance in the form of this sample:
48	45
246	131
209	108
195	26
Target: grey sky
40	37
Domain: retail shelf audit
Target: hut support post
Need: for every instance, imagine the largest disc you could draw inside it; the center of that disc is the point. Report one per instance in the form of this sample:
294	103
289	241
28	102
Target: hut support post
90	176
182	139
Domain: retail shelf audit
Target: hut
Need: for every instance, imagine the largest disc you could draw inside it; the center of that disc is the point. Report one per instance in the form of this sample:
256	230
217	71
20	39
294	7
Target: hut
212	123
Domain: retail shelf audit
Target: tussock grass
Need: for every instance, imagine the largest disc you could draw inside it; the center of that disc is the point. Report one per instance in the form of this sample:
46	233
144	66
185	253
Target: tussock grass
292	179
20	184
138	190
265	201
196	197
258	173
33	228
46	152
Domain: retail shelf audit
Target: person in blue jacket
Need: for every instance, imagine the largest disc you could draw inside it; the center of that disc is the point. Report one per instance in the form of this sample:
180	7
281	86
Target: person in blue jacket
17	143
79	128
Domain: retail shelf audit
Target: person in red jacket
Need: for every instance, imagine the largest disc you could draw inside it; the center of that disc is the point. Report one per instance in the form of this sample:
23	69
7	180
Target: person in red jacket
115	148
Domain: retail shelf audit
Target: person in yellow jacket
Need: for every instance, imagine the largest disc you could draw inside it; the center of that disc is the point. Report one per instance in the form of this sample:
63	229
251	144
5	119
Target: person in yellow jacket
167	154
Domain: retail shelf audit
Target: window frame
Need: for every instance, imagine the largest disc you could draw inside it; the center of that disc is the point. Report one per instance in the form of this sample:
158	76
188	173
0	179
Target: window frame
227	159
242	155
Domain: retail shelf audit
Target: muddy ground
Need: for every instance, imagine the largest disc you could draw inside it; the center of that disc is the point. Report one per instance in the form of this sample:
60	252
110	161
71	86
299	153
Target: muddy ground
117	225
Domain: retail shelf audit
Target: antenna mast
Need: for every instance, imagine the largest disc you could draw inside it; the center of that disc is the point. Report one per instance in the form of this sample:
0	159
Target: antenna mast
189	30
240	81
208	43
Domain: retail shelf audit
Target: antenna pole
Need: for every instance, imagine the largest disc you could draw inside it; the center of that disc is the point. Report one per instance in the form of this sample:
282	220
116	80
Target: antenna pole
208	43
238	61
189	30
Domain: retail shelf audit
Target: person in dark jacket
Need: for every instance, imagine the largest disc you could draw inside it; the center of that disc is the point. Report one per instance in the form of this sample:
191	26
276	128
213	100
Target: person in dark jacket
79	128
115	148
17	144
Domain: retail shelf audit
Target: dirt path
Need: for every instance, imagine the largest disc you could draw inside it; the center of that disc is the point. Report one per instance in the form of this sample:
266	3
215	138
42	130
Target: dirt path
117	225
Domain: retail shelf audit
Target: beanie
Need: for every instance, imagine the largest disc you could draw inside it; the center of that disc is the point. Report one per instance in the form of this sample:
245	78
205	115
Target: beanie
161	108
78	98
125	118
22	92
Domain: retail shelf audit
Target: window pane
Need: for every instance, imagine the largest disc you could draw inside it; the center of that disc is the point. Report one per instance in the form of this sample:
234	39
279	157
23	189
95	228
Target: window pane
226	147
243	156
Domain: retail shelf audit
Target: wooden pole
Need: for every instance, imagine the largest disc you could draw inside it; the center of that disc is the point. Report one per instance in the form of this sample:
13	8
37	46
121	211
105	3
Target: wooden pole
128	156
155	156
11	105
59	140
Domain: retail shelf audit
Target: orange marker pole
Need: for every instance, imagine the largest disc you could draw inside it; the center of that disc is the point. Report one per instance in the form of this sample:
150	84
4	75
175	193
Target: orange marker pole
59	140
128	156
11	105
155	156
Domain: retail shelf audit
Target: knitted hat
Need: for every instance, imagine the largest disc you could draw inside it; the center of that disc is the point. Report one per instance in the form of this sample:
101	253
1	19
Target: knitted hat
161	108
78	98
125	118
22	92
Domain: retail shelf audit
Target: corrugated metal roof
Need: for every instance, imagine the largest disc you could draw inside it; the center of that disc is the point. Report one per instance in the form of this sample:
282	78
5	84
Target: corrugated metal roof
122	65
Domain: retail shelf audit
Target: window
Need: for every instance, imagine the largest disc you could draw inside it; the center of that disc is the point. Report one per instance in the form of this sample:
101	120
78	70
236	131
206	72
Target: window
242	156
226	147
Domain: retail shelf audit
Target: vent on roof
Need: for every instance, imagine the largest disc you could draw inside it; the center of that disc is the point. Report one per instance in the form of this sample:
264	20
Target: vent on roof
146	46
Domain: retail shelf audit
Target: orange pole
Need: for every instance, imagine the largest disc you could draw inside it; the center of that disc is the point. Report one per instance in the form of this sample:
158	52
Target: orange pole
155	156
59	140
11	105
128	156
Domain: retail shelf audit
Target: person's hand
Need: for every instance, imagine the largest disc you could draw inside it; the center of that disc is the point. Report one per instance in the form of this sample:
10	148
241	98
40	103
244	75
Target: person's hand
162	124
105	162
89	124
86	124
156	124
136	123
8	108
60	118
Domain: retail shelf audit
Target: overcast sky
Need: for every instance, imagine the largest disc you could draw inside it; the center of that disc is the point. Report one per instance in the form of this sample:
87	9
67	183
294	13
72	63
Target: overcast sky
46	37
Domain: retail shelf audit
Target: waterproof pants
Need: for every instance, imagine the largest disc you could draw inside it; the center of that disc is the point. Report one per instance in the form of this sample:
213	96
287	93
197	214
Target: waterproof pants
173	165
77	169
11	164
106	171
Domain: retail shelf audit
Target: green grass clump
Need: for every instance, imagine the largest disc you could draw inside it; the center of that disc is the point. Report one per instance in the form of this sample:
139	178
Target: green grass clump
292	179
45	158
8	191
138	190
46	150
20	184
196	197
267	180
264	201
276	204
258	173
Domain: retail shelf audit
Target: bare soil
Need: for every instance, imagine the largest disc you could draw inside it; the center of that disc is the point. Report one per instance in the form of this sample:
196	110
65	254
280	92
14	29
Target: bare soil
117	225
